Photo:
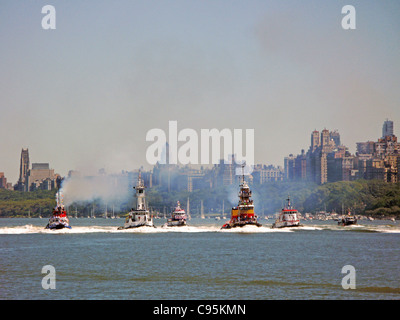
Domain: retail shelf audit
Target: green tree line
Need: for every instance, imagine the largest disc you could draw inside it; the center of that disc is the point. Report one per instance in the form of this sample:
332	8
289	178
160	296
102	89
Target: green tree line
22	204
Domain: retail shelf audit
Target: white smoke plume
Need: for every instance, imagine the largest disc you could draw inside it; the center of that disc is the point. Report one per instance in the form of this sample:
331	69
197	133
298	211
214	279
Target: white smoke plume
60	197
106	188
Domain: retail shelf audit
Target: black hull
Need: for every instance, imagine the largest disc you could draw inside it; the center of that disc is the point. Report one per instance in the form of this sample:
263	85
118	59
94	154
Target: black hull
240	225
57	227
169	224
347	223
135	227
275	227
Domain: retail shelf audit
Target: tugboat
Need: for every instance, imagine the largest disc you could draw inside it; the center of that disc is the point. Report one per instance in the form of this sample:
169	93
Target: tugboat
243	214
59	219
347	220
139	217
178	217
288	217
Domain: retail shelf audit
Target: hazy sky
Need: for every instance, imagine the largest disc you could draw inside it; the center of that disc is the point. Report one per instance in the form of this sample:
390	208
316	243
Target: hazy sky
85	95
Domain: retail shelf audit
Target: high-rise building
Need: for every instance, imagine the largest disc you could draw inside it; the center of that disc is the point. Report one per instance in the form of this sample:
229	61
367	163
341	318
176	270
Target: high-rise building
263	174
340	165
289	165
300	166
23	170
387	145
39	173
325	138
315	143
365	147
380	160
194	179
321	163
226	172
3	181
387	129
322	168
335	137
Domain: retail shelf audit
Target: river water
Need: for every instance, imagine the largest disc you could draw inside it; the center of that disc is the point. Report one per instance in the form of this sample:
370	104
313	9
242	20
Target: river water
94	260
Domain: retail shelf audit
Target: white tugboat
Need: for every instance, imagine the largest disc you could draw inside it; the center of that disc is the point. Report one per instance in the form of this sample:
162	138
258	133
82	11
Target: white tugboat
243	214
288	217
139	217
178	217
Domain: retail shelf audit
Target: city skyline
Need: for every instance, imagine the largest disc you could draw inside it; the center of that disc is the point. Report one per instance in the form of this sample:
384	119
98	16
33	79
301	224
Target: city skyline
377	159
84	95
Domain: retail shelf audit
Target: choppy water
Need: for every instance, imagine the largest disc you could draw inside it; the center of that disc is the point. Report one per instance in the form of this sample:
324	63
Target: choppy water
94	260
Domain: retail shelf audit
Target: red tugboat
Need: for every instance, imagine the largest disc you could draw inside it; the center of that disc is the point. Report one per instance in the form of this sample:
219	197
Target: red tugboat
59	220
178	217
243	214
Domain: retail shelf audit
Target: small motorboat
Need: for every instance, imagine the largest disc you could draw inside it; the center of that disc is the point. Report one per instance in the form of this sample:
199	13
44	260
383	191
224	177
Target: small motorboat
347	220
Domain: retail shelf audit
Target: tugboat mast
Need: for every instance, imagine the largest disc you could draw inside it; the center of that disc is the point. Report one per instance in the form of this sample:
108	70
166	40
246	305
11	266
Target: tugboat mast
289	206
242	173
140	196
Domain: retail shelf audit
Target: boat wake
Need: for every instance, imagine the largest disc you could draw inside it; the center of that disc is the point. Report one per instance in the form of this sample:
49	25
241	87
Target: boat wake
32	229
255	229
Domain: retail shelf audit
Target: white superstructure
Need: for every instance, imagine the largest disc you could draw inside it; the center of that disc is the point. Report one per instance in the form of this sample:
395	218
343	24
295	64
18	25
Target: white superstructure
139	217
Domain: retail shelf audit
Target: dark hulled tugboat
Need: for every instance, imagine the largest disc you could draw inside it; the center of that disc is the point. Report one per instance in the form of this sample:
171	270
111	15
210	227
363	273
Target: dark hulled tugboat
59	219
243	214
347	220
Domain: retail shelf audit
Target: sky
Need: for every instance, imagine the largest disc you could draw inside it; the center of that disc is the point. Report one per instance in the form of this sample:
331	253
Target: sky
83	96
